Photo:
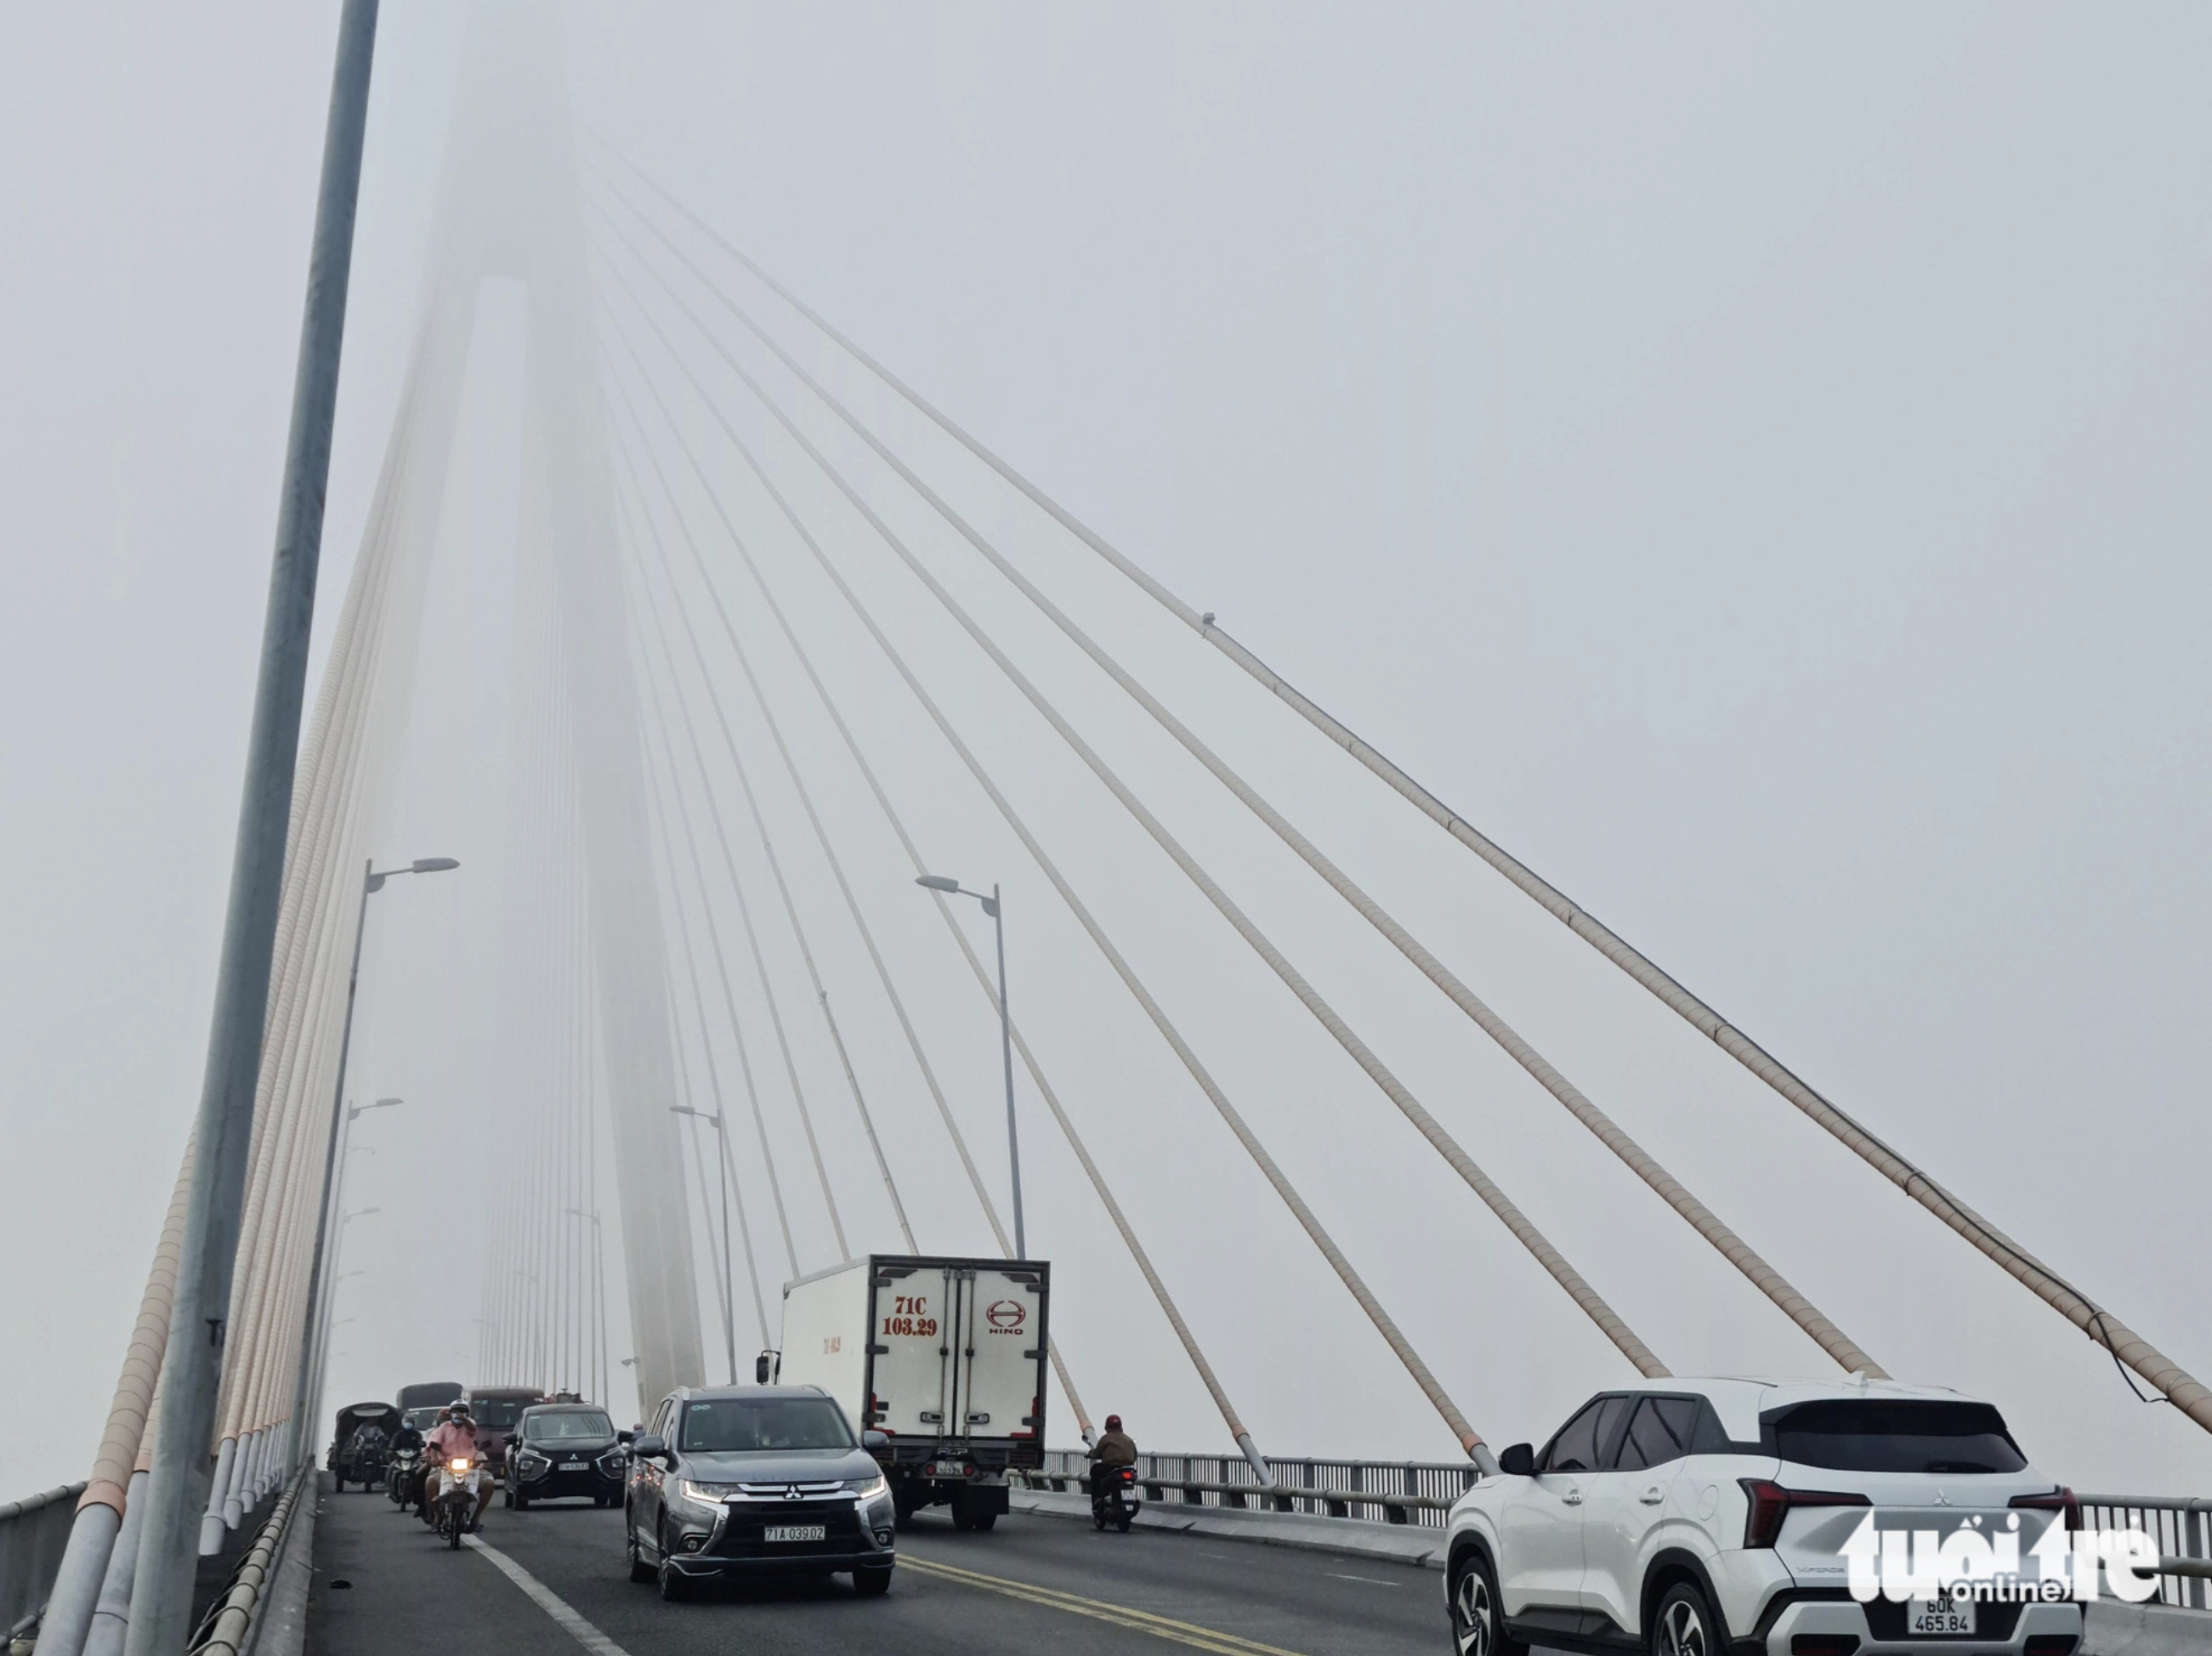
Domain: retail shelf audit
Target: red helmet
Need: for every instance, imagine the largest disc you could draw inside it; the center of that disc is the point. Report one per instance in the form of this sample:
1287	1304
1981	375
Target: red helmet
1113	1422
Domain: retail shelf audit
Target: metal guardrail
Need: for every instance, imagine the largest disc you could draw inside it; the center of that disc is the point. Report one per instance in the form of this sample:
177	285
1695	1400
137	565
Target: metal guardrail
1387	1492
33	1533
223	1631
2180	1525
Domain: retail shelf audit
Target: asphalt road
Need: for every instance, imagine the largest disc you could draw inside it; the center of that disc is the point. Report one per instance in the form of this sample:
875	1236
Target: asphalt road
384	1586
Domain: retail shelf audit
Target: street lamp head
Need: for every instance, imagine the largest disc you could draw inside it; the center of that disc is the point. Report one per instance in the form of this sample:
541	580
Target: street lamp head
938	882
435	864
375	882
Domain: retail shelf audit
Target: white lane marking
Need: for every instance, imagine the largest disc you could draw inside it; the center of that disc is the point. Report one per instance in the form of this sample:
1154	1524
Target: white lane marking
1371	1580
549	1601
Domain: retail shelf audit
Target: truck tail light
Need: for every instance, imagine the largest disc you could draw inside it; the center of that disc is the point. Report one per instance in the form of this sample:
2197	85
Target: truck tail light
2060	1500
1770	1504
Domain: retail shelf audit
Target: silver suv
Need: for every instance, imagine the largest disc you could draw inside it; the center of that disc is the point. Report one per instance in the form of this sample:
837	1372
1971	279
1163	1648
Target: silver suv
1696	1517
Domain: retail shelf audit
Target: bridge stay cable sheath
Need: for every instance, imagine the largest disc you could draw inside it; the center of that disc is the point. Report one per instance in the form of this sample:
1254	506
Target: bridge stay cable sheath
867	937
691	957
1523	1230
2180	1388
760	825
1430	1387
1739	1253
1238	1432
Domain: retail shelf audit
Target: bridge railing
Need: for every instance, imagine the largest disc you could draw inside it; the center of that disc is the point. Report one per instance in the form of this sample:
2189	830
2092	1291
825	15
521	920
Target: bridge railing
2181	1526
33	1533
1387	1492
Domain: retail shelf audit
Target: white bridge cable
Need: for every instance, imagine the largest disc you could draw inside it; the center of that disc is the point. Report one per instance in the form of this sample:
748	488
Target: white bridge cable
661	817
822	838
1523	1230
652	607
1764	1277
1430	1387
982	977
2183	1390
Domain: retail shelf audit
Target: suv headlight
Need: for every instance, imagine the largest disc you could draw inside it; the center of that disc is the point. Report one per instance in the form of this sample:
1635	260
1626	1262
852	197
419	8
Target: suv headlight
869	1488
707	1495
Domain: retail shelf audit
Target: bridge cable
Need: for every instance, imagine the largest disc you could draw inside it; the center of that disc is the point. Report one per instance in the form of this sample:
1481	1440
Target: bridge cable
1763	1276
760	825
1470	1438
1113	1207
1522	1229
2177	1385
822	838
682	814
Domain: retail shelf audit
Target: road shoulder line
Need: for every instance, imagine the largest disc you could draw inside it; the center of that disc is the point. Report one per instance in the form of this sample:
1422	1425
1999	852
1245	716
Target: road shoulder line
548	1600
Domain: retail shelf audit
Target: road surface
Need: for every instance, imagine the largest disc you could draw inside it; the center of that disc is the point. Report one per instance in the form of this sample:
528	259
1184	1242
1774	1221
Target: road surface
384	1586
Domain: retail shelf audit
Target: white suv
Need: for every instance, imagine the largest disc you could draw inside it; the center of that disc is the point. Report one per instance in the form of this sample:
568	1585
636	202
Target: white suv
1707	1518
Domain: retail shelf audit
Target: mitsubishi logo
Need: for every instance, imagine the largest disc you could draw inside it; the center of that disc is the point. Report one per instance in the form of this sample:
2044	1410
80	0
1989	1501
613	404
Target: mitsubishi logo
1943	1500
791	1492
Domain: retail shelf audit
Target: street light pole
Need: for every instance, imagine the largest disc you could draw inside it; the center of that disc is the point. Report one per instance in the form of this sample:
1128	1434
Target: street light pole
372	881
729	1310
191	1364
994	907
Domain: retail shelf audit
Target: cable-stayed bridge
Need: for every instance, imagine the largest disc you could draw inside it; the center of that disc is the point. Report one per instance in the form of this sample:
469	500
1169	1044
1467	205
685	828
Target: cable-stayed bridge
761	584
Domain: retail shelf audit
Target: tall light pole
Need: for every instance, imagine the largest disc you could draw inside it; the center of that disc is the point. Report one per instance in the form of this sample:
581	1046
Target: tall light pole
992	907
372	881
191	1364
598	1297
729	1313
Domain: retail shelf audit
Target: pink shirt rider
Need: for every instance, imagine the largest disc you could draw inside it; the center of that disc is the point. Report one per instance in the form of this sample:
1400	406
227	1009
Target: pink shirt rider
451	1441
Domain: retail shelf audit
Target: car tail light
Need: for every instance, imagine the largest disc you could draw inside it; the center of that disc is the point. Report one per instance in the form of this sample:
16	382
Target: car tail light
1823	1644
2060	1500
2051	1644
1770	1504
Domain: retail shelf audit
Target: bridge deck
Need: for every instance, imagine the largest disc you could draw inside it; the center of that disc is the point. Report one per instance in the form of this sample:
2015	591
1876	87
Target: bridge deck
1033	1585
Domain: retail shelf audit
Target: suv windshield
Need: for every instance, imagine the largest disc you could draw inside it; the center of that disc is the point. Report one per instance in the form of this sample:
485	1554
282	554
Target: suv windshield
421	1420
727	1424
1879	1436
578	1423
498	1414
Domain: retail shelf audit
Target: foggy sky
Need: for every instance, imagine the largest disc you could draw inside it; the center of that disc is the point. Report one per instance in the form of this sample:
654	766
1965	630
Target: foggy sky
1744	461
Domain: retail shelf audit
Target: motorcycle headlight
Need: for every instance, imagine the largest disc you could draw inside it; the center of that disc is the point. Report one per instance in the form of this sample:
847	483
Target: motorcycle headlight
458	1466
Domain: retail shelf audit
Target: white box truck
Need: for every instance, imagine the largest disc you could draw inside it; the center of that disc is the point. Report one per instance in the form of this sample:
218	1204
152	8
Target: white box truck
945	1356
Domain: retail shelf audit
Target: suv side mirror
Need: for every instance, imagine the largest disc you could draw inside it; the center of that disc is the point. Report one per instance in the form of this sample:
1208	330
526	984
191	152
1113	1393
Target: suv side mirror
873	1440
765	1367
648	1447
1519	1460
624	1436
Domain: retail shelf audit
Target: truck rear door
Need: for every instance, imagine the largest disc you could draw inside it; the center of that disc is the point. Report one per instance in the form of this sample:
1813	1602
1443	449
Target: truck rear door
1001	1329
911	1338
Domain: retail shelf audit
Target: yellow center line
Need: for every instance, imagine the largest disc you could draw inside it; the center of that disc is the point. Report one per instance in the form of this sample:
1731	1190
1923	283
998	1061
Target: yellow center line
1162	1627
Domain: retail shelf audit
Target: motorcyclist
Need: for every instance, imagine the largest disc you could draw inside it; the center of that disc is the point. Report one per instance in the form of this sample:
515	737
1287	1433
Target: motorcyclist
409	1441
370	1445
1115	1448
455	1439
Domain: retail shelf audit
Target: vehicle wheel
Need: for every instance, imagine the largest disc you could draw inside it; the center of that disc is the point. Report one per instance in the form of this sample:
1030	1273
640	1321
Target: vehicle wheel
961	1519
984	1520
640	1571
1477	1613
1684	1625
674	1589
456	1525
872	1583
1122	1521
519	1501
1098	1519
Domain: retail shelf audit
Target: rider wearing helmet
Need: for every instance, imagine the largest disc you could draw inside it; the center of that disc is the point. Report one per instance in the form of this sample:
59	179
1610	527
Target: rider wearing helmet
454	1439
1115	1448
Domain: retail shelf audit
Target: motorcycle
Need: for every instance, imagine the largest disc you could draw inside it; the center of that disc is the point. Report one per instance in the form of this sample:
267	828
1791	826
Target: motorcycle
400	1475
458	1482
1114	1496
